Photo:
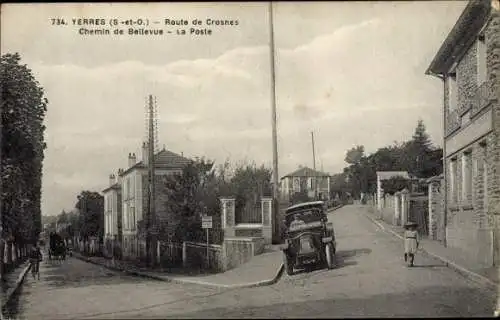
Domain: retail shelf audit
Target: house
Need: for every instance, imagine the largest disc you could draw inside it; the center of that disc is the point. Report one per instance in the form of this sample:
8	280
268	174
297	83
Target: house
134	189
468	63
306	180
113	209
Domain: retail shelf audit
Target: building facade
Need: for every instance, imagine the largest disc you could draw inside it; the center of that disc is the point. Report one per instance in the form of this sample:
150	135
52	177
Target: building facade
113	209
134	190
468	63
306	180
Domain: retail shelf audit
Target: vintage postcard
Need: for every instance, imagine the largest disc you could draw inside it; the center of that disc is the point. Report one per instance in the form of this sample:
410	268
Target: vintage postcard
250	159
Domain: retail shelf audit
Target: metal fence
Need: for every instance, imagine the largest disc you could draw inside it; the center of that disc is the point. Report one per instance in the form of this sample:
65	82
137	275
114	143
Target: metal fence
170	254
251	213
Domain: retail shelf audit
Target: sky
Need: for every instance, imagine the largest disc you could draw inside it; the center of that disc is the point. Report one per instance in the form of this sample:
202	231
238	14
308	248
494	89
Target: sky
351	72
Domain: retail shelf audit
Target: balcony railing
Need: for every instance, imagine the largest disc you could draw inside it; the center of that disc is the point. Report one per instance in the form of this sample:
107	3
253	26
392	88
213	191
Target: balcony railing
480	99
484	95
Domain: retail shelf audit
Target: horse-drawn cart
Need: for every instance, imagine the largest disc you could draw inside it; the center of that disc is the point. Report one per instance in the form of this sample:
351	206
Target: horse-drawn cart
57	249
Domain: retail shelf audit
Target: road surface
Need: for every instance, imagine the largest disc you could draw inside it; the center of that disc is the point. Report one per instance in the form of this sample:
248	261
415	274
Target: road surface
371	280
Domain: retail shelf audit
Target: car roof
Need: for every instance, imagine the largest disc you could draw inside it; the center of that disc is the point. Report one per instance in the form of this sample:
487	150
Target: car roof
304	205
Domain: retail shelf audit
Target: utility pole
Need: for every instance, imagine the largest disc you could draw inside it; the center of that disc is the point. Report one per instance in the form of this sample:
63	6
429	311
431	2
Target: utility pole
2	244
274	130
314	168
150	219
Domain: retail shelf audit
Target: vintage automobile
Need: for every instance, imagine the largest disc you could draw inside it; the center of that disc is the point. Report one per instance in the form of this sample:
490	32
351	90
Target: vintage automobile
309	237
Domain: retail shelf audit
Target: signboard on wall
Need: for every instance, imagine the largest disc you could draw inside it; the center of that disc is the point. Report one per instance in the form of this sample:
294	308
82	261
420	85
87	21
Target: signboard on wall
206	222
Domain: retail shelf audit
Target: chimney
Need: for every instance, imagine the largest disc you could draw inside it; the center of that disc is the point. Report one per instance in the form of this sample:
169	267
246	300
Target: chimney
112	179
145	153
131	159
119	178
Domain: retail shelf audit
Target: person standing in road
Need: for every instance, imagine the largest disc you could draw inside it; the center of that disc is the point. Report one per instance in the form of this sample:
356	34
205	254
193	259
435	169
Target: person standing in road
412	240
35	258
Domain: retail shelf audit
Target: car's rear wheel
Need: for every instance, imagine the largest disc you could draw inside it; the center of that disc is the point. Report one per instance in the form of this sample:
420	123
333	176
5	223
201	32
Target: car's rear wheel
288	265
330	256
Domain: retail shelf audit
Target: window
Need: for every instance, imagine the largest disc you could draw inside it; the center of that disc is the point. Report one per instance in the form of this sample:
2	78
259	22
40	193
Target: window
453	178
296	184
127	189
125	217
132	218
467	177
481	60
452	92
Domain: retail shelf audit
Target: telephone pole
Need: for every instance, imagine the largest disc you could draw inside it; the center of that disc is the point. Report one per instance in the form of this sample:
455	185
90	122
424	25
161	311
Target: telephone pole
151	216
314	168
274	129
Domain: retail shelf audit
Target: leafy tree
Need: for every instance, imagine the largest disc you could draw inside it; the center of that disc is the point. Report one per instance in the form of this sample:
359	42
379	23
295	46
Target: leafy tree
395	184
190	195
91	217
417	156
249	183
354	155
23	109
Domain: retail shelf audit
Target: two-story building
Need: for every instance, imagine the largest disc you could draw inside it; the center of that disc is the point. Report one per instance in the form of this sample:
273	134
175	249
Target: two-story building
113	209
134	190
468	63
306	180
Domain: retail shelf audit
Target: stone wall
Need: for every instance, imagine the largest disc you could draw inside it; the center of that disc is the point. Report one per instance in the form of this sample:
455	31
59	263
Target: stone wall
493	65
238	251
232	253
436	210
387	208
248	232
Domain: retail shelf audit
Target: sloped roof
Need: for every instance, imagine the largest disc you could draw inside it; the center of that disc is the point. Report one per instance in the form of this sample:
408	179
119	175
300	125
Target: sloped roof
163	160
306	172
386	175
463	33
114	186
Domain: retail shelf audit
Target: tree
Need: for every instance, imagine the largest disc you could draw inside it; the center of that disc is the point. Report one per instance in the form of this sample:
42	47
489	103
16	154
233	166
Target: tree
422	157
23	109
249	183
395	184
190	195
91	217
353	156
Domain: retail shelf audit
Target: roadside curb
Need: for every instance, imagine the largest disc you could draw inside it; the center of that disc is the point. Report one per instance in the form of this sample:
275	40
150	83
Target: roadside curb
261	283
459	269
334	208
12	291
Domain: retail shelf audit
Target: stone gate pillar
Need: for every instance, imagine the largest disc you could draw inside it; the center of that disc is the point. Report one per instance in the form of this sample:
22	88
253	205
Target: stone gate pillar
267	219
405	206
397	209
379	193
434	208
228	216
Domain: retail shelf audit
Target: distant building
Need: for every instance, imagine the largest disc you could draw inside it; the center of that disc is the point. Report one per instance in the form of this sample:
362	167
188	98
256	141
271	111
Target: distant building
113	208
468	63
134	190
306	180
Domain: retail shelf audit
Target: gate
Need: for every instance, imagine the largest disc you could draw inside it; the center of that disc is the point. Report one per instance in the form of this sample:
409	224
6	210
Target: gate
250	213
419	213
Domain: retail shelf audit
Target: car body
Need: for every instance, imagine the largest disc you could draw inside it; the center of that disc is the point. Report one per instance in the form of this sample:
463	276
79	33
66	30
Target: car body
309	239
